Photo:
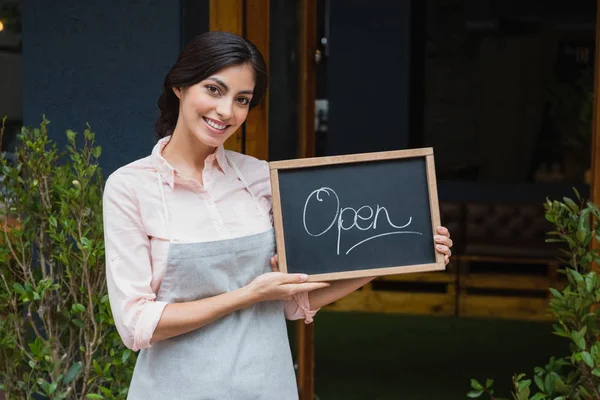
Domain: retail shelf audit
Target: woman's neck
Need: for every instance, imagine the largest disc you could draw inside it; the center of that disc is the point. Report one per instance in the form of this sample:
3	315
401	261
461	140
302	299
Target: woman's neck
187	154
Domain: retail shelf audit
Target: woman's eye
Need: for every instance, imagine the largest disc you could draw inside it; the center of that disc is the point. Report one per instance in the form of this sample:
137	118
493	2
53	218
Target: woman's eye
243	101
212	89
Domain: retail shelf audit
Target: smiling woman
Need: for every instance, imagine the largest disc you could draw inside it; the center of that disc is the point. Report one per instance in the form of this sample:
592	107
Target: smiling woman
192	276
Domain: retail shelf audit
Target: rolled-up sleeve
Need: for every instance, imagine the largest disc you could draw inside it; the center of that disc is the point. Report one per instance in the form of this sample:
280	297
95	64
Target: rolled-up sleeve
299	308
128	266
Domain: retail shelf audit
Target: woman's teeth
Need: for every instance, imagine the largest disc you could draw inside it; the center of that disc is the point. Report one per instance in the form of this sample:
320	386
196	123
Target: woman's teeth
215	125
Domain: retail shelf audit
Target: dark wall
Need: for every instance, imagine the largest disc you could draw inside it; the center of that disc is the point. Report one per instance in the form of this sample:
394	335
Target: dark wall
102	63
369	88
194	19
283	76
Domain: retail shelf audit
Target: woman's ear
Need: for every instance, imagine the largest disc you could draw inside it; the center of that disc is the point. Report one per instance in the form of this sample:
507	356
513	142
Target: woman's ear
177	92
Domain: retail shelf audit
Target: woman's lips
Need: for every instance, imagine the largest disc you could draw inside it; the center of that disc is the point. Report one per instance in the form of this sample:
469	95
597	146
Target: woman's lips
215	126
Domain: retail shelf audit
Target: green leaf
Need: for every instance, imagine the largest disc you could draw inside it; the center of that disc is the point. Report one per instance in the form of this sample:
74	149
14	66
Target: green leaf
574	207
596	371
97	368
474	394
86	242
77	308
539	382
94	396
556	293
476	385
71	135
587	358
72	373
489	383
127	354
590	281
538	396
97	151
576	275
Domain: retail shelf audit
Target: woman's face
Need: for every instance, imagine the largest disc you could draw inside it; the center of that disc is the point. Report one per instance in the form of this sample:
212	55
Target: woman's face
213	109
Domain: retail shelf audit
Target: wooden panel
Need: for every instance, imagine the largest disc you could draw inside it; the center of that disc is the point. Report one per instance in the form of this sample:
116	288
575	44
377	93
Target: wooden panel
306	361
503	307
506	281
228	16
307	46
381	301
307	86
257	124
447	276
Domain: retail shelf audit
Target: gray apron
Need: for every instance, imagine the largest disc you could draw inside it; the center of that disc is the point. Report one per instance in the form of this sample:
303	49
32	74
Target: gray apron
244	355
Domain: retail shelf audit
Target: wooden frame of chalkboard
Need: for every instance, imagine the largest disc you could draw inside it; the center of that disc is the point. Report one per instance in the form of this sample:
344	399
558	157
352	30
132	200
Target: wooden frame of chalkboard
317	167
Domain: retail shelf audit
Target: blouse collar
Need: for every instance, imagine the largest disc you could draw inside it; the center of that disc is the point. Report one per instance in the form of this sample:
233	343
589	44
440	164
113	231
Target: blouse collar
168	172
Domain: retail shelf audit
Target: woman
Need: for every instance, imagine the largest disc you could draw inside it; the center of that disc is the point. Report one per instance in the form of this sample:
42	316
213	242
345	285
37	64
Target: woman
192	277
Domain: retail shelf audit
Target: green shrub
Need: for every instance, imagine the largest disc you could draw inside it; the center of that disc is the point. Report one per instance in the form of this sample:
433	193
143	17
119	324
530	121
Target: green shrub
57	336
575	308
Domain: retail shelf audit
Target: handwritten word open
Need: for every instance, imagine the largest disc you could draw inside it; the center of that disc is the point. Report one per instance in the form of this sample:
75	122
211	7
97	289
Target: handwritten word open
358	218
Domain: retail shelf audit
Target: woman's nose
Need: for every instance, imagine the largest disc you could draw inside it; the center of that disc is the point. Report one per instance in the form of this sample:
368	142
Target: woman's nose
225	109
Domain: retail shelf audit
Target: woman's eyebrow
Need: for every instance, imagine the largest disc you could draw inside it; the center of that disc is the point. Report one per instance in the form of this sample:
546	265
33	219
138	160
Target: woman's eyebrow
220	82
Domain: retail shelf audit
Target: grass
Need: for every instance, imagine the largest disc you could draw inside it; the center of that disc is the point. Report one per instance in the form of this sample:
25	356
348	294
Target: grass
378	356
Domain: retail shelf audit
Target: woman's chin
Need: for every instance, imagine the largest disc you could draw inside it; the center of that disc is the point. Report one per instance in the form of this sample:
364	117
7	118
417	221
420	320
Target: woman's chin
210	139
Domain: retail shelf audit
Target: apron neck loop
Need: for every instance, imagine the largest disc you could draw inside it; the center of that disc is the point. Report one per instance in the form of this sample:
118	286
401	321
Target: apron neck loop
241	178
164	203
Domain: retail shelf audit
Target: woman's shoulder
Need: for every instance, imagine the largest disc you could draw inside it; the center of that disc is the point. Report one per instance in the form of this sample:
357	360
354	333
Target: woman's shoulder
133	175
244	160
249	166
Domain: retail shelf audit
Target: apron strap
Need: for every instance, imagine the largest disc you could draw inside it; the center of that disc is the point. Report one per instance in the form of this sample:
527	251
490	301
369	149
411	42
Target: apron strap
165	208
241	177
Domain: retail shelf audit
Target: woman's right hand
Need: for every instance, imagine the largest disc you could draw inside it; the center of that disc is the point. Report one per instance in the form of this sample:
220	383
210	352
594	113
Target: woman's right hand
281	286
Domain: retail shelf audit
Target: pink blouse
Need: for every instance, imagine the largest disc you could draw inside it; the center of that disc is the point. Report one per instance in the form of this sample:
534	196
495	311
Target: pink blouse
137	236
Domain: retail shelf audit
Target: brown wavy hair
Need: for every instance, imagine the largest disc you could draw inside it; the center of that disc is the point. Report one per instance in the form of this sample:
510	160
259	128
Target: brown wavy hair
204	56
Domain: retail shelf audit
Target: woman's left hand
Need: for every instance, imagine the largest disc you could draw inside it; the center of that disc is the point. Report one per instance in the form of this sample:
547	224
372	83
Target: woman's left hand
443	243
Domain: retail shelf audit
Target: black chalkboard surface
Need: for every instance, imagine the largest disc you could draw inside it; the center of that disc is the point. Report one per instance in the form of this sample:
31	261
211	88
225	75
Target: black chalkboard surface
356	215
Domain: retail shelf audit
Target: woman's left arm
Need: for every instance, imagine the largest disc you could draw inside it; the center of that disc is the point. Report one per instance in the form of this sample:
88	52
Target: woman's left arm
338	289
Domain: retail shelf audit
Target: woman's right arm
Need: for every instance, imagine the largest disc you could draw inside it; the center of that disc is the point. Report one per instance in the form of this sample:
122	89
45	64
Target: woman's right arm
180	318
141	319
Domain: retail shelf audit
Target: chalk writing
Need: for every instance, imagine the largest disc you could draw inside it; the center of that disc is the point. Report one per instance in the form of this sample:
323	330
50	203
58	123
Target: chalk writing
363	219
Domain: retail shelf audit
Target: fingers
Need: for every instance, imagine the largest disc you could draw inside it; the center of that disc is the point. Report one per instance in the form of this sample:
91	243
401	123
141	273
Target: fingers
306	287
293	278
443	249
446	259
274	264
443	240
443	231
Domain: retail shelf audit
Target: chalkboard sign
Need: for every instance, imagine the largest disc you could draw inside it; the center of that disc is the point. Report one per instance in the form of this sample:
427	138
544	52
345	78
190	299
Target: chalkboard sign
356	215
